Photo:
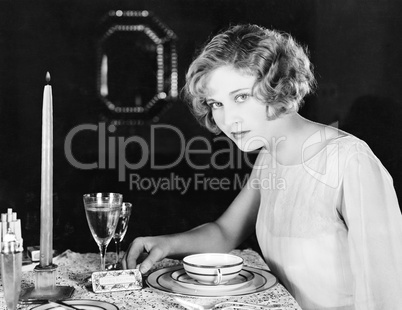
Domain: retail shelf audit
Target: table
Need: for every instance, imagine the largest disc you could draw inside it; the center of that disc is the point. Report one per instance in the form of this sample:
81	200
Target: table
74	268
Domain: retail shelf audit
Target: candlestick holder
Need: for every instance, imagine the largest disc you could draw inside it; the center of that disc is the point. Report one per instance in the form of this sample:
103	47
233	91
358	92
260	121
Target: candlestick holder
45	286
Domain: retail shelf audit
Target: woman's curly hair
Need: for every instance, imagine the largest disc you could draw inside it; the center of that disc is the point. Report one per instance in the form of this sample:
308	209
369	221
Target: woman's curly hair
284	74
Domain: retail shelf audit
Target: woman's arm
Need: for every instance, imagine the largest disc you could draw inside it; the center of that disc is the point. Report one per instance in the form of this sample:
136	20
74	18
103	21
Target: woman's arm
374	222
228	231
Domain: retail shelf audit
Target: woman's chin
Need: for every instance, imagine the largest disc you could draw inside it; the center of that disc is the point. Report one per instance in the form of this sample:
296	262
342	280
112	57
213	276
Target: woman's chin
249	147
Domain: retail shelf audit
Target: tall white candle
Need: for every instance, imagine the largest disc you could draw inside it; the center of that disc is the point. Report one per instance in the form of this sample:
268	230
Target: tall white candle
46	219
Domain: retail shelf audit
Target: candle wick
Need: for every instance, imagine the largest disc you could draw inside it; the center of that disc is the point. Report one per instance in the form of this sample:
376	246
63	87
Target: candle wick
47	77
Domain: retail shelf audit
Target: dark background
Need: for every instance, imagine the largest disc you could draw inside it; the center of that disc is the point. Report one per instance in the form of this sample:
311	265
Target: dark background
354	45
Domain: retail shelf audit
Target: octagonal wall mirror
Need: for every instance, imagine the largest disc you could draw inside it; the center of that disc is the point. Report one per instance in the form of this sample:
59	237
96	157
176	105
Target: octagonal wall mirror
137	67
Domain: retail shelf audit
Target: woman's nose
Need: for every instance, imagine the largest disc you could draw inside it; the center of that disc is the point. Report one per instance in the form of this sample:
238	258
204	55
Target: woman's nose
232	116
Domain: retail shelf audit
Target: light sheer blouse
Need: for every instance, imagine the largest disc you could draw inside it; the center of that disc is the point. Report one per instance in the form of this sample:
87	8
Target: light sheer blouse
330	228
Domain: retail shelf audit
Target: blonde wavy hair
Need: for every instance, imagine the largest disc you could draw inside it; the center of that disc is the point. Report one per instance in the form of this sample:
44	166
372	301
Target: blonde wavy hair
284	74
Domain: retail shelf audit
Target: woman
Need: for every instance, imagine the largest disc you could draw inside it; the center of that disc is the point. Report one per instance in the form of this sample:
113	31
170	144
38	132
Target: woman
332	231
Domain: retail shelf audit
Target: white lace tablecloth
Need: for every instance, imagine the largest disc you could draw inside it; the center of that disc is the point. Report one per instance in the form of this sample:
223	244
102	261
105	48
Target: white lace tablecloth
74	268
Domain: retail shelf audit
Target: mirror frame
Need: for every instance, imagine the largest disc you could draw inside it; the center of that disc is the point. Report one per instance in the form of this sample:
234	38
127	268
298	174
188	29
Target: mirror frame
164	40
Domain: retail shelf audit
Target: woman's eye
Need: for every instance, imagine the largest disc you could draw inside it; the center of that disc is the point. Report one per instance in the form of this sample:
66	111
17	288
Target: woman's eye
214	105
241	98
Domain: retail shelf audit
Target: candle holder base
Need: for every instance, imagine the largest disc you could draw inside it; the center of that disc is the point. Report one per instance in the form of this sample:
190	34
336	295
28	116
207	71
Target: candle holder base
45	286
32	294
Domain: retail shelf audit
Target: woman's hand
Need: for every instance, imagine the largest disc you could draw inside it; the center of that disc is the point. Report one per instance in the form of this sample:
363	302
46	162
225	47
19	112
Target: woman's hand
157	249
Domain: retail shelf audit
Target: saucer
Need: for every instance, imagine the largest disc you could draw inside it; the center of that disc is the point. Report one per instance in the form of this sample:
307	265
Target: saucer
181	277
84	304
169	280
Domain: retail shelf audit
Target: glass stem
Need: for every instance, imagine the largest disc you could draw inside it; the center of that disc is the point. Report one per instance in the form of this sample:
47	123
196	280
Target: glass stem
118	245
102	249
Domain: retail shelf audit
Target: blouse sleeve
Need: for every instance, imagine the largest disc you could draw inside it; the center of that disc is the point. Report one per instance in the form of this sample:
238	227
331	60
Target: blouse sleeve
371	212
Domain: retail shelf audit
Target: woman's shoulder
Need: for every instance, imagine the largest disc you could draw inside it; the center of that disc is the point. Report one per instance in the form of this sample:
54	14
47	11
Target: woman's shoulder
349	144
349	148
337	145
322	140
328	140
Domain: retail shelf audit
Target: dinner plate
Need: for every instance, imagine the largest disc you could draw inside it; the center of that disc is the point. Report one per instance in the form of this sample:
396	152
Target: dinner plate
84	304
163	280
181	277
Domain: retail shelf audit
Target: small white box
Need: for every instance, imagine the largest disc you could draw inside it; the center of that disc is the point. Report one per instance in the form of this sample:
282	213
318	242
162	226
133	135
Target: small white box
34	253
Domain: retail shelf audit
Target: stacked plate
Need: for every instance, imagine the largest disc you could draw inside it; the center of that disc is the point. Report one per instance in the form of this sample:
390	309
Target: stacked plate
176	281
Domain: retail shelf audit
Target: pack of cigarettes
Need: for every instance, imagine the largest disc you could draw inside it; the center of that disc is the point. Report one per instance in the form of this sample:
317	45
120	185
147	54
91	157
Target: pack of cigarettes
116	280
10	225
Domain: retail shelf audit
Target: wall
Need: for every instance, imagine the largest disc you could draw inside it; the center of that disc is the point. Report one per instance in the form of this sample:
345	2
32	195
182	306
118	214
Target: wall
357	59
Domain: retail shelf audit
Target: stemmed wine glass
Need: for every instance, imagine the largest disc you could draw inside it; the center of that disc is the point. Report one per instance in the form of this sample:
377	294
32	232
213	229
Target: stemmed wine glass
103	211
121	230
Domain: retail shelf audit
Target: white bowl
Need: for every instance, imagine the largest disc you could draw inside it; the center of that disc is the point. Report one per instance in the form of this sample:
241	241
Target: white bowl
212	268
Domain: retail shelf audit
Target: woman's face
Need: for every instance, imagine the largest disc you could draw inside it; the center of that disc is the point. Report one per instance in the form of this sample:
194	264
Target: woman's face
236	112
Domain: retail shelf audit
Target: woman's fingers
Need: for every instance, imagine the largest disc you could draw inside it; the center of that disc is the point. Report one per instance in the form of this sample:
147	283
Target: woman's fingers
134	250
152	246
155	255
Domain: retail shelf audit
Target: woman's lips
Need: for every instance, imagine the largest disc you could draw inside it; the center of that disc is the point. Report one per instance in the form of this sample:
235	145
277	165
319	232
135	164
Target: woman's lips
239	134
